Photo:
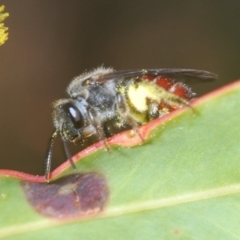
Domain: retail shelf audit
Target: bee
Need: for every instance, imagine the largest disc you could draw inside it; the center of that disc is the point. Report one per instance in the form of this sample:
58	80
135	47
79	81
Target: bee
104	102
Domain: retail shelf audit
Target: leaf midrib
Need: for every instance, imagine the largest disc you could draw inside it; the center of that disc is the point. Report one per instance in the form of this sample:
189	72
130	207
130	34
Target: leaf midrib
172	201
128	209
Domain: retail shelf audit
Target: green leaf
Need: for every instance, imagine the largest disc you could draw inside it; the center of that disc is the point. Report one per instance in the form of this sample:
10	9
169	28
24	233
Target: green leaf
183	181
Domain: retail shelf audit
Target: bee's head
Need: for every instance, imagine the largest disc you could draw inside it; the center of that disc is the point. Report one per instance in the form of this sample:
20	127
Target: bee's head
71	117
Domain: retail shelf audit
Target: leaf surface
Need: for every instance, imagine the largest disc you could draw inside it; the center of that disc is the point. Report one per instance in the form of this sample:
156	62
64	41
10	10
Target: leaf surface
183	181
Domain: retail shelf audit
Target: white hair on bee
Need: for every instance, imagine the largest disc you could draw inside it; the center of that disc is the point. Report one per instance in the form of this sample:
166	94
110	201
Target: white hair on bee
94	74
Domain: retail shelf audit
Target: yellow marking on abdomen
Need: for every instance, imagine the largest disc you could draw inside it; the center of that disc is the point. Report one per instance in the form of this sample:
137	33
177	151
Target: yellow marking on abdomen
139	93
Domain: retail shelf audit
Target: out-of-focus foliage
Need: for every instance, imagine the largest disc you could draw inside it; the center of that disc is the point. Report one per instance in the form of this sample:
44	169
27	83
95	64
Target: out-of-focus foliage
3	29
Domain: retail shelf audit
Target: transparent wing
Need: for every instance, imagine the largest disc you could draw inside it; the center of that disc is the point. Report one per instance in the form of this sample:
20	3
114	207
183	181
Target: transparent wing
173	73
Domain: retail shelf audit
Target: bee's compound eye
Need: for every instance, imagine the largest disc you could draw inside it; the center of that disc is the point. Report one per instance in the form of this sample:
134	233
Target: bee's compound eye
75	115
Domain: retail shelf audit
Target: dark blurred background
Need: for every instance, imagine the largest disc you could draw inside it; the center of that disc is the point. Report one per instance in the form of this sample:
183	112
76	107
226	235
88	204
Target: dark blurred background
50	42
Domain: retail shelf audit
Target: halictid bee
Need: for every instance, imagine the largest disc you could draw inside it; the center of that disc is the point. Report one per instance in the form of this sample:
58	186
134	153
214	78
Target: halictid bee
104	102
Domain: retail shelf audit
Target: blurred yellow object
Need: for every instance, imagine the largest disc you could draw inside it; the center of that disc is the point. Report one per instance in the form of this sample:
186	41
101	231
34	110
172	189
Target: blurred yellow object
3	29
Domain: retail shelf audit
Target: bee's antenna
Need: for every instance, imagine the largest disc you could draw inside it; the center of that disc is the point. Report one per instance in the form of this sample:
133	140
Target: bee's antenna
49	155
68	155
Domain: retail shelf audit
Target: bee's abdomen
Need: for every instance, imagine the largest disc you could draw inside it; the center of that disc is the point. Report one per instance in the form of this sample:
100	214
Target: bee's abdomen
151	97
179	89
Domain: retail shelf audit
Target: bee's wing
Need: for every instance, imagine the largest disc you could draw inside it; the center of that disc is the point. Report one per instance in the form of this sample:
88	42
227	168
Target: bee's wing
173	73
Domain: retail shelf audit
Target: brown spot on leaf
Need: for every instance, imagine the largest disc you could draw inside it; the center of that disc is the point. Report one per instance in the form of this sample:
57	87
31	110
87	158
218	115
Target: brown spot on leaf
177	232
70	196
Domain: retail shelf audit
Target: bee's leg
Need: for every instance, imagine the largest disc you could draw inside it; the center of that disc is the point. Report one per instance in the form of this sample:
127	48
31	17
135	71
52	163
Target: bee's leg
134	125
183	93
153	110
68	155
99	129
102	137
49	156
175	102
